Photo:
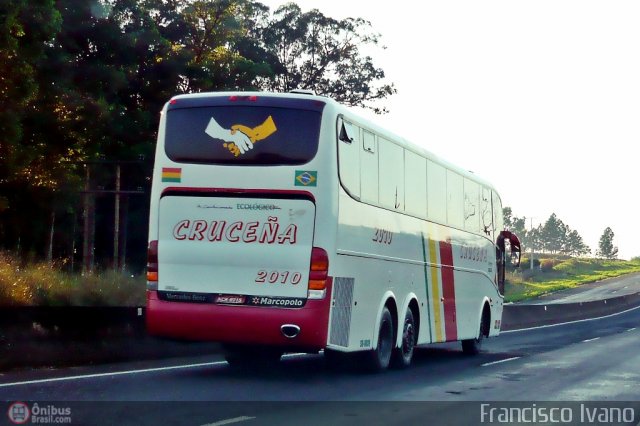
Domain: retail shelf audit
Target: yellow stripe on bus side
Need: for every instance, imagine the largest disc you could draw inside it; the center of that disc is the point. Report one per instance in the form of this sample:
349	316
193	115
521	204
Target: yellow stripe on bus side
171	174
435	289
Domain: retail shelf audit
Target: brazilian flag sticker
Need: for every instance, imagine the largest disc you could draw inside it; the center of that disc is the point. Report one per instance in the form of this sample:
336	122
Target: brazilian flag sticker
306	178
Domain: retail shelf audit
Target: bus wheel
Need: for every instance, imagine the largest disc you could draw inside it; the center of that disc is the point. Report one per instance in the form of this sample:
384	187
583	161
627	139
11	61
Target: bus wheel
403	355
473	346
251	358
379	358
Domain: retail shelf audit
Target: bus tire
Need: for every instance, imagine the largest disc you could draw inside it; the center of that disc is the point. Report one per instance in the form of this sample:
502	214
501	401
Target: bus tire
473	346
403	355
378	359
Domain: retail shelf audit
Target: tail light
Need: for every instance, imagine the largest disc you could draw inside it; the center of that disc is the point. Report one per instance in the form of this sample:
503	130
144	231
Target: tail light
234	98
318	273
152	265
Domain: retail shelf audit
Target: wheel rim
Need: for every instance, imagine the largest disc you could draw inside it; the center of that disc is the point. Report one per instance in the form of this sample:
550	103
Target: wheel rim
384	341
408	339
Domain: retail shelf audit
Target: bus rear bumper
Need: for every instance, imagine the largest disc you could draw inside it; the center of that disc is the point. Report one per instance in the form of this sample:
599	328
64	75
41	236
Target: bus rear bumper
251	325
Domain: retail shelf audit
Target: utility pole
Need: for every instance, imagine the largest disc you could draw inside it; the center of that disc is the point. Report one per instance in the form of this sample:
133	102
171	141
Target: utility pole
89	213
88	219
531	240
116	221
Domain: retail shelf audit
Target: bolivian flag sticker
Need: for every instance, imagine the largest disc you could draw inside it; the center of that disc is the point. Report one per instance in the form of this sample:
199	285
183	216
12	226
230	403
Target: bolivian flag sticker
306	178
170	174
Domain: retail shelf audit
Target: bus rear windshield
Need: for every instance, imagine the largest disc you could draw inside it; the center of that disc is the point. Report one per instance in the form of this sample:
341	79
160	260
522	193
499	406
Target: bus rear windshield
242	135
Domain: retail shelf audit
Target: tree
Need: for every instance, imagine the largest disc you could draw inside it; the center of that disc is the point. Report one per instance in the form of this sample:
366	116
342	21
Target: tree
312	51
554	236
575	246
80	81
518	225
606	247
25	28
216	40
507	217
552	233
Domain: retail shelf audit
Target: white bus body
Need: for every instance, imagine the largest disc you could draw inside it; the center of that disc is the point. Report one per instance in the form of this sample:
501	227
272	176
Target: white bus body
285	221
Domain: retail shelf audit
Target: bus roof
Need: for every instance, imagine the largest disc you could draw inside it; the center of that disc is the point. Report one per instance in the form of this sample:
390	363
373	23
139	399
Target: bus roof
351	115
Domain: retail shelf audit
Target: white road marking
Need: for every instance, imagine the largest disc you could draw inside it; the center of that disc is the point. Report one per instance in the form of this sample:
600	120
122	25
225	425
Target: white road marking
569	322
127	372
590	340
500	361
210	364
294	355
230	421
114	373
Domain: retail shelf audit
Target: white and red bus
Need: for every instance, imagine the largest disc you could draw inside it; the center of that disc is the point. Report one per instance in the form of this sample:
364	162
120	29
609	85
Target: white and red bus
285	222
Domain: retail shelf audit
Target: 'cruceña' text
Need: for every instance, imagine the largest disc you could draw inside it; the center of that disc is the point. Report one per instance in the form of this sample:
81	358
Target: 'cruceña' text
268	232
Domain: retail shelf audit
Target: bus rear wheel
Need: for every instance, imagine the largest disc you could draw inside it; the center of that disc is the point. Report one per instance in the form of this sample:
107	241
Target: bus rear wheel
403	355
473	346
379	358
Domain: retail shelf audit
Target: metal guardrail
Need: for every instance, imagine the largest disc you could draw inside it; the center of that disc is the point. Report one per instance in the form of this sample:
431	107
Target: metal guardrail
521	316
63	336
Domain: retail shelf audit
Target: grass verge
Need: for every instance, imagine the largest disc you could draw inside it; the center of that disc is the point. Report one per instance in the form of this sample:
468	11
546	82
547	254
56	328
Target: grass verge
46	284
563	275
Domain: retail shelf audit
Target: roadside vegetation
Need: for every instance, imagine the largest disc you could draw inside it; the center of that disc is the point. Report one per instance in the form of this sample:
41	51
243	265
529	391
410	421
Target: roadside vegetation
553	274
47	284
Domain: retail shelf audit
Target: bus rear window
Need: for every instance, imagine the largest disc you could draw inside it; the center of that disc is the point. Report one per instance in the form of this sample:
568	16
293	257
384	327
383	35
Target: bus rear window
242	135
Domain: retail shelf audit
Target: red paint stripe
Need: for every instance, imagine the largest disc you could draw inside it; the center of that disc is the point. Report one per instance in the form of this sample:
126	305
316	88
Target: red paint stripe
241	324
171	170
448	292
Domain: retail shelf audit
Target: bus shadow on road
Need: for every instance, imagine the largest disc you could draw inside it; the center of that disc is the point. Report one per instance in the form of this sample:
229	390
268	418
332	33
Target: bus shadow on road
309	367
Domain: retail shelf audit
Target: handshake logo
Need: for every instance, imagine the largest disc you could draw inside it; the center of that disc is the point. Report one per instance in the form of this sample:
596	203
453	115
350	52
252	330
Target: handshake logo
239	139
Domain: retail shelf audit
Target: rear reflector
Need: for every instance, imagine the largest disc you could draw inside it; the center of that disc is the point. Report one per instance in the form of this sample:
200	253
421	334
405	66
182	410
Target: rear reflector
317	284
152	261
319	269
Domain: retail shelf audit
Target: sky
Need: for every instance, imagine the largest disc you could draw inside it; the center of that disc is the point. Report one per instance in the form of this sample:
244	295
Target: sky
541	98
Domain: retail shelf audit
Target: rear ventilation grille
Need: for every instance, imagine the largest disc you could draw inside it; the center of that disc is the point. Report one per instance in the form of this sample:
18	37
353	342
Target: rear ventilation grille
341	313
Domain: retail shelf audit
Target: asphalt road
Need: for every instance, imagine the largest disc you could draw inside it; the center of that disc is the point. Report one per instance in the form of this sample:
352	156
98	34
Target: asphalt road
565	365
599	290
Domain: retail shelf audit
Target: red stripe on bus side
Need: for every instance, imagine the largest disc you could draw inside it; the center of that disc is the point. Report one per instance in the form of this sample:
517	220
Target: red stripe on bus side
171	170
448	292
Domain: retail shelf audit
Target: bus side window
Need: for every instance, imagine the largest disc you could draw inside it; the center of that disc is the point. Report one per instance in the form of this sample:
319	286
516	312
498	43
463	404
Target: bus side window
391	175
436	192
346	132
496	205
349	157
415	183
485	213
472	206
455	200
369	169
